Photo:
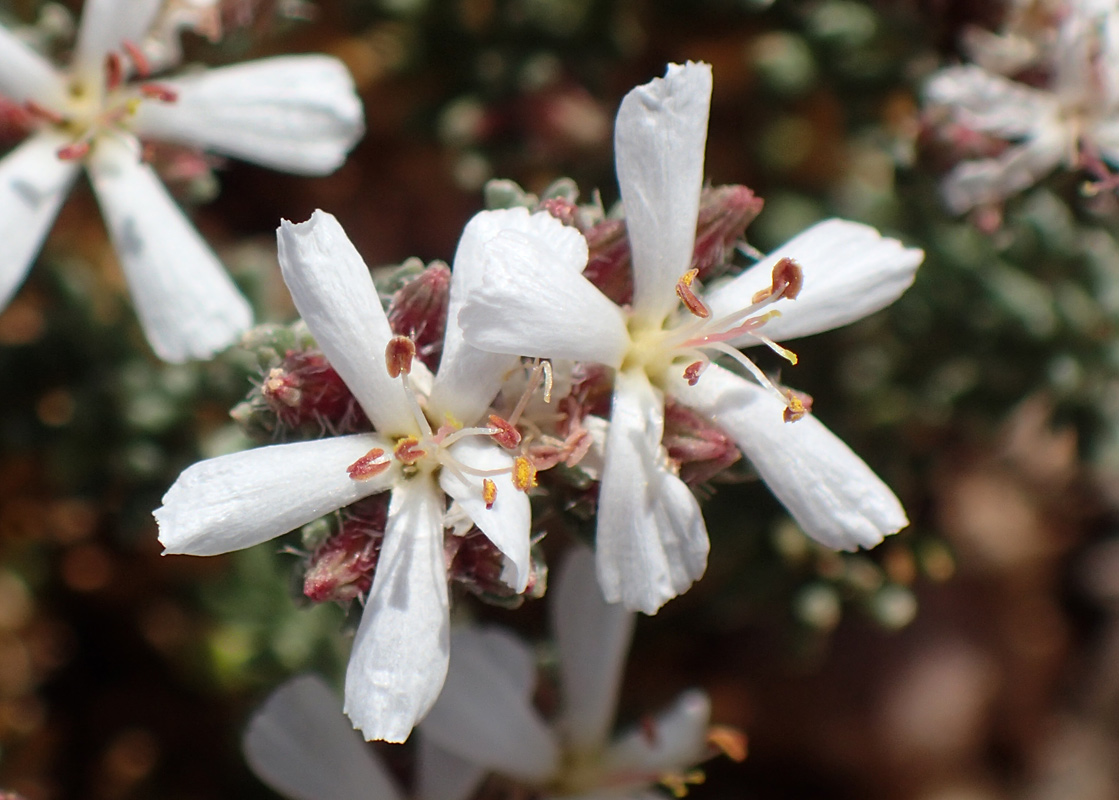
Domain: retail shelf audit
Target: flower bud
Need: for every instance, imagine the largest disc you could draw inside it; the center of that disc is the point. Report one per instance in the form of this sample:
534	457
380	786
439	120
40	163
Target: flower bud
419	311
724	213
341	568
700	447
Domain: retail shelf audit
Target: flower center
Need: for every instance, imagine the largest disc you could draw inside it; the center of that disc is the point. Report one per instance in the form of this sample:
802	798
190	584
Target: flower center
100	104
697	339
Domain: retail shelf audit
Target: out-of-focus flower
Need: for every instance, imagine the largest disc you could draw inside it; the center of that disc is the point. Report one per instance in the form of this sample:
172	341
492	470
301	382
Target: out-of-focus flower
423	451
299	744
1073	119
651	539
295	113
485	715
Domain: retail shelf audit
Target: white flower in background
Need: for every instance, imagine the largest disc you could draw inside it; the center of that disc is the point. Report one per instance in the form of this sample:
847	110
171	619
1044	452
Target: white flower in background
295	113
651	540
423	451
299	744
485	715
1074	121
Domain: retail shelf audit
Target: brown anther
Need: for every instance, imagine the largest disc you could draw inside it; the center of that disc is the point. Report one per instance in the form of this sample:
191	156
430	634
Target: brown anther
154	91
369	465
398	355
731	742
797	405
408	450
114	71
787	281
74	152
524	474
489	492
693	371
138	59
688	297
45	114
507	435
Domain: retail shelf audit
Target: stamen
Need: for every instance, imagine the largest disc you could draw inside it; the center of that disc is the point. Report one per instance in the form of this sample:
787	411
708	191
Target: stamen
369	465
507	435
694	370
154	91
489	492
138	59
74	151
399	353
408	450
787	280
784	352
547	365
797	405
114	71
45	114
688	297
731	742
524	474
539	369
678	782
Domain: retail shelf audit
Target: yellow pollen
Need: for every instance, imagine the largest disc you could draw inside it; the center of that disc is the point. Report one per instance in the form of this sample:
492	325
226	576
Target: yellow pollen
524	474
489	492
678	783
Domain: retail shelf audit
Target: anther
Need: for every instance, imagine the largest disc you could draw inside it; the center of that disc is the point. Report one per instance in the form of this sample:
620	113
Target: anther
507	435
398	355
731	742
138	59
369	465
408	450
524	474
154	91
797	405
689	298
787	281
489	492
74	151
693	371
114	71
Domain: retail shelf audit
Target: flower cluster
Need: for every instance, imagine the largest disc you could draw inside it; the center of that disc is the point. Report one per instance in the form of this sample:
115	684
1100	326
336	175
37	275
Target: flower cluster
1044	92
568	354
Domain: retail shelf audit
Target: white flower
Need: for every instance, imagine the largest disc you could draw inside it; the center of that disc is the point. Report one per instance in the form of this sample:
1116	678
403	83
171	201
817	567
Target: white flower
1077	116
295	113
651	540
300	744
485	715
421	455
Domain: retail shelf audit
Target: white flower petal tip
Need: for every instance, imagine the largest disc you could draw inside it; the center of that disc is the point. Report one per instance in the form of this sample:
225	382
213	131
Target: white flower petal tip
850	270
292	113
679	743
239	500
831	493
659	140
300	744
399	659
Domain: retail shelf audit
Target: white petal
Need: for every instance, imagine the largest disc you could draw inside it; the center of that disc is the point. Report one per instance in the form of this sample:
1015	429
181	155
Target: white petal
293	113
678	741
301	745
187	303
106	24
831	493
593	638
990	103
33	184
992	180
850	270
531	304
659	140
399	658
487	719
507	523
441	775
238	500
469	378
334	294
26	75
651	541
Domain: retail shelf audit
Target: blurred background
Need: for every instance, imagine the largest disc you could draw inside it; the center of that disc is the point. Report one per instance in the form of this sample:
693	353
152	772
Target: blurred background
975	656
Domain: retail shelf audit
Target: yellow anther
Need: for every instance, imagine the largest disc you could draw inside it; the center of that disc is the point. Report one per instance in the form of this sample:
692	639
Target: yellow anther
731	742
678	783
489	492
524	474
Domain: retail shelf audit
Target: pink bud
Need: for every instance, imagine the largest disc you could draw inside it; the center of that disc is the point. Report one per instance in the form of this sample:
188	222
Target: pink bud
701	448
342	567
724	214
419	311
